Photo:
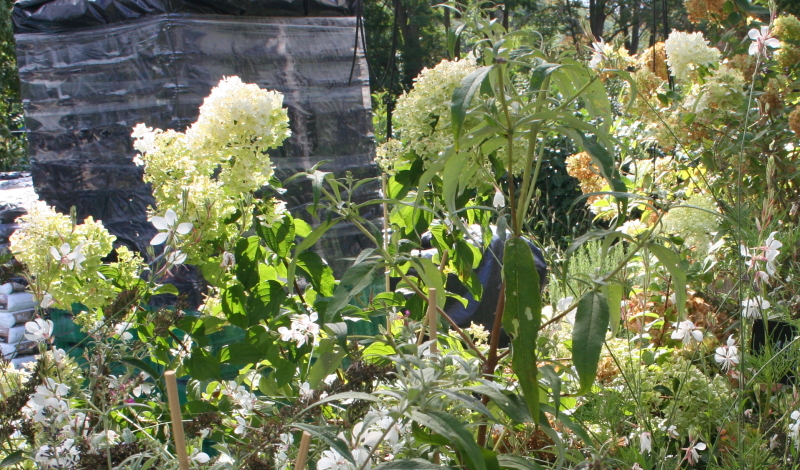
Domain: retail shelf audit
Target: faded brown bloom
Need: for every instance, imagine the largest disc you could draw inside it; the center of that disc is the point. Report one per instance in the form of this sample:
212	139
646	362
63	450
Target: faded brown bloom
794	120
580	166
700	10
654	62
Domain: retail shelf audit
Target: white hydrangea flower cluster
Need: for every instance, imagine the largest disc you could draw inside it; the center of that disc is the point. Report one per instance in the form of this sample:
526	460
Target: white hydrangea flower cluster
688	51
422	115
219	159
72	277
238	123
723	89
694	225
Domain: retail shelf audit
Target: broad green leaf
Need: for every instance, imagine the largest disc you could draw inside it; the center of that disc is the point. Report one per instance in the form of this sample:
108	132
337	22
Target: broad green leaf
248	255
265	301
410	464
432	277
317	272
301	228
202	366
588	336
516	462
522	316
15	458
508	402
280	237
450	427
327	436
614	294
232	301
240	354
328	358
671	261
355	280
539	73
462	97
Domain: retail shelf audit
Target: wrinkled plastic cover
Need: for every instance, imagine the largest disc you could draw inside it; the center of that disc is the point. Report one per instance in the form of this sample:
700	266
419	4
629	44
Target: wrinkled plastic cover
84	91
40	16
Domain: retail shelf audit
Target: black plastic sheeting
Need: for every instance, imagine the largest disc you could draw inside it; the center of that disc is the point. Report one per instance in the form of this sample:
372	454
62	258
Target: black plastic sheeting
83	92
46	16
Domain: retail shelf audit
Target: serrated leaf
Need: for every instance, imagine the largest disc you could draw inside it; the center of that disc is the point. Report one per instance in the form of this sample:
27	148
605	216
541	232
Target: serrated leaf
522	316
450	427
462	98
588	336
265	301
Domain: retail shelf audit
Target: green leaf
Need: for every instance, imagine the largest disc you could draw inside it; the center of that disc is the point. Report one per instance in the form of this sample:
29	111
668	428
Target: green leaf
202	366
17	457
539	73
570	424
265	302
515	462
343	396
432	277
410	464
355	280
318	231
588	336
317	180
248	254
301	228
462	98
240	354
279	237
319	274
450	427
166	289
522	316
328	437
509	403
671	261
328	358
232	301
614	293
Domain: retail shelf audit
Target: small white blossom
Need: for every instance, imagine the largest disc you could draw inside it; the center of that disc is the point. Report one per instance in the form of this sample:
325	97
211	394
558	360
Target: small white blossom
691	452
499	200
645	442
761	40
167	227
687	332
39	330
752	308
71	259
794	428
727	356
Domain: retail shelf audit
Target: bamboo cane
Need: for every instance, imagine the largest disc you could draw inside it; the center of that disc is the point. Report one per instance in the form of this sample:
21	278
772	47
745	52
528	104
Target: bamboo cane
177	419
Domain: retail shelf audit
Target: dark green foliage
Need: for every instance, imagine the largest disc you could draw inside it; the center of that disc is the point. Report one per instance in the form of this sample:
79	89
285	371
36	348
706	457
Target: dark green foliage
13	155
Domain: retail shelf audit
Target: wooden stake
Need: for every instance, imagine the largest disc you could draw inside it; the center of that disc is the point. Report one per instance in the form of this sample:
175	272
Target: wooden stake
433	319
302	451
177	419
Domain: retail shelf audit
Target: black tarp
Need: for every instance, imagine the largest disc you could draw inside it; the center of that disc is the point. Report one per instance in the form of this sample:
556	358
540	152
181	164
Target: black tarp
84	90
47	16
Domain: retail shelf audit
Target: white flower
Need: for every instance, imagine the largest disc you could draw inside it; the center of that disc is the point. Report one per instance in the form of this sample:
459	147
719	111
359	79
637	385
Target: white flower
645	442
752	308
771	250
199	457
331	460
176	257
761	39
241	427
121	330
691	452
70	259
39	330
794	428
167	228
228	260
47	301
727	356
499	200
303	327
687	332
598	53
688	51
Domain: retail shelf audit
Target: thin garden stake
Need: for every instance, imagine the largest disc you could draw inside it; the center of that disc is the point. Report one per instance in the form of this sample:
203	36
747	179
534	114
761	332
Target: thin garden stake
177	419
302	451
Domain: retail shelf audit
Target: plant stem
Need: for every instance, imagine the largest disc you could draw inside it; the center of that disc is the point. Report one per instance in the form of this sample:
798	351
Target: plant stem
509	151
